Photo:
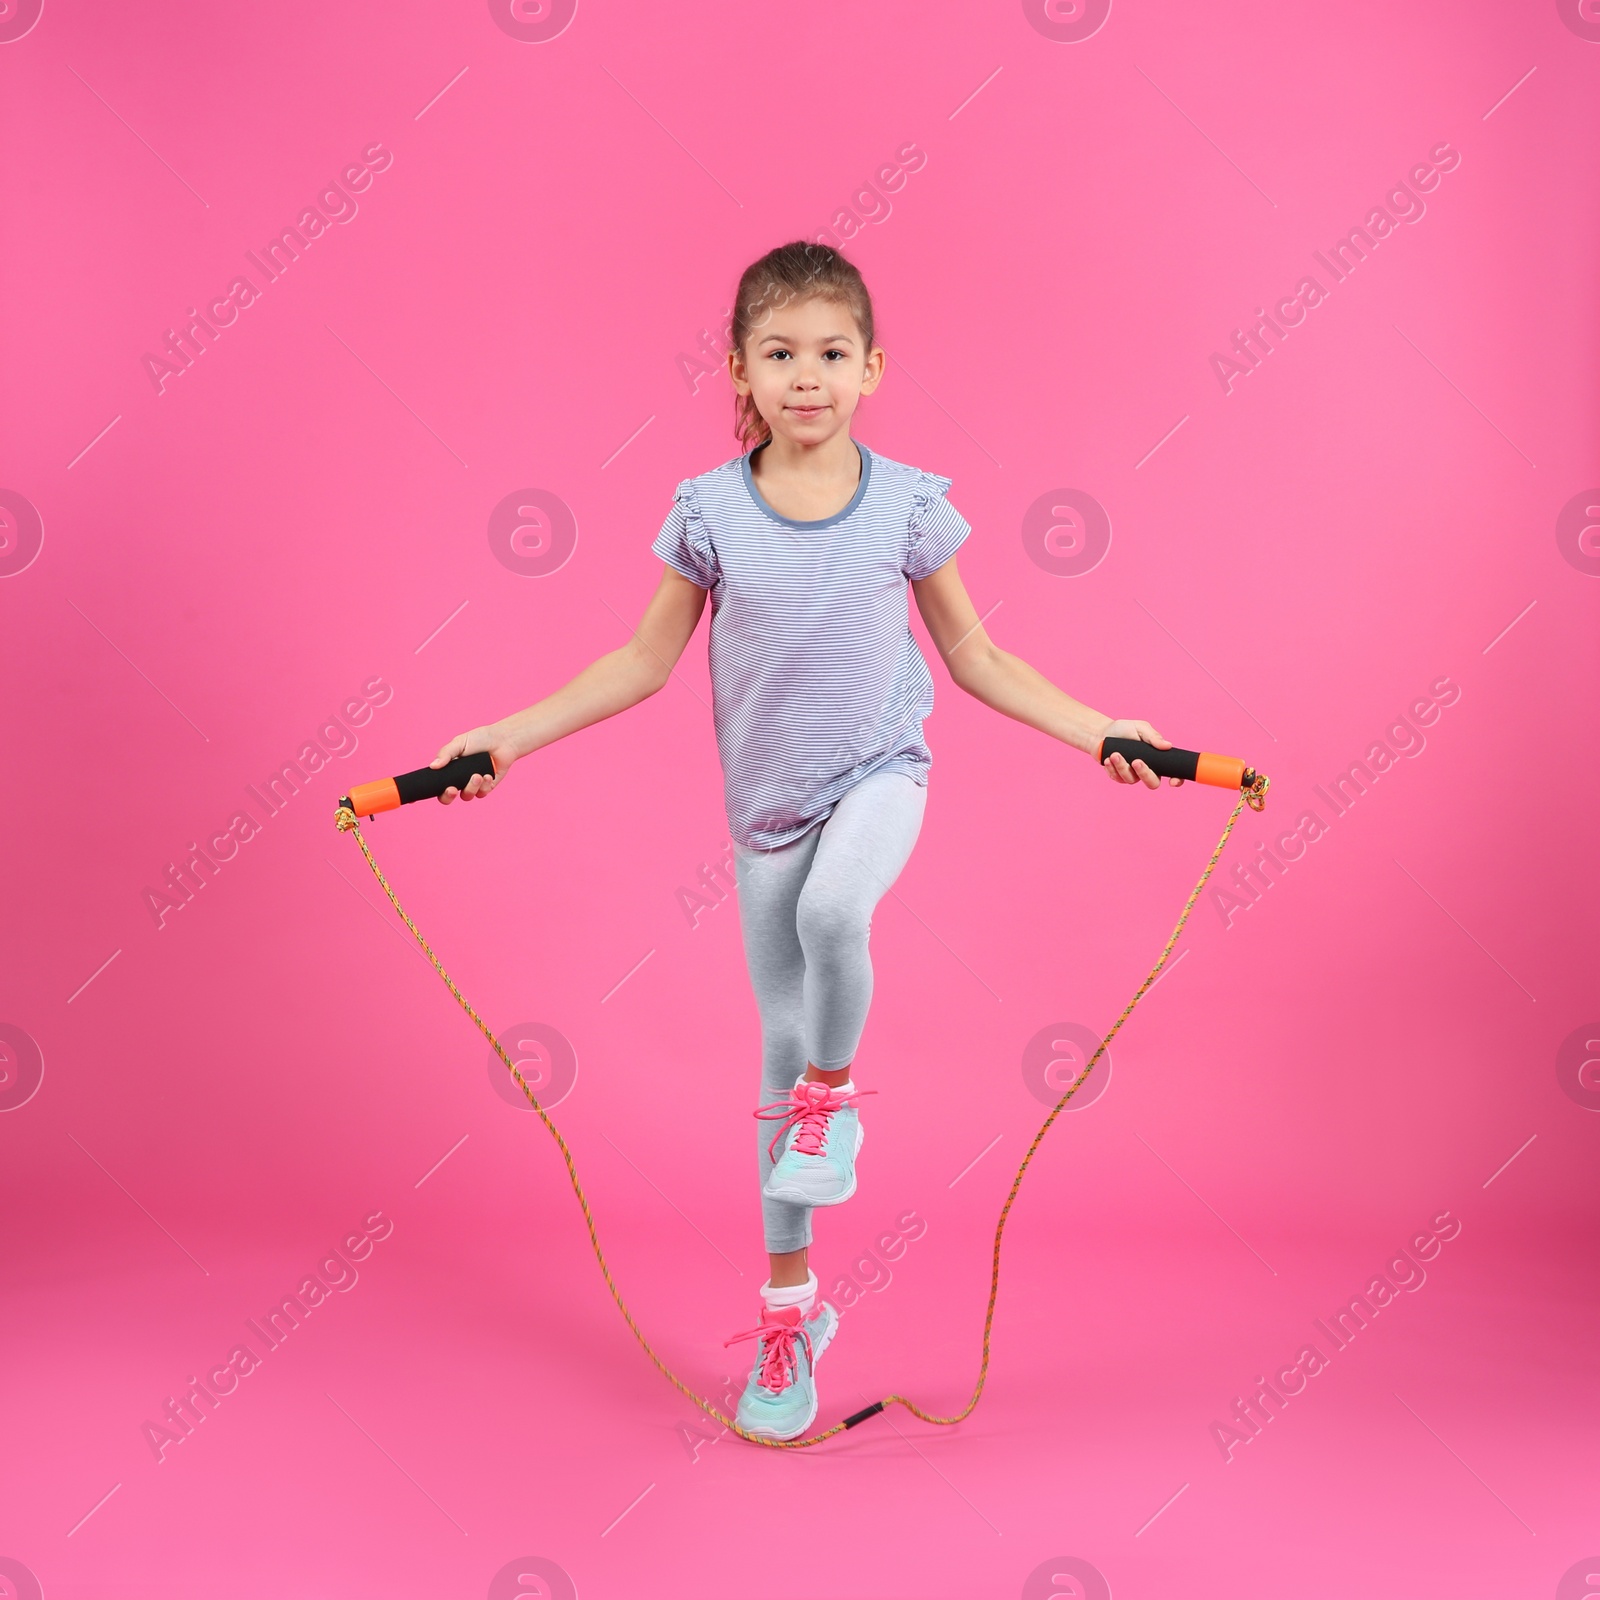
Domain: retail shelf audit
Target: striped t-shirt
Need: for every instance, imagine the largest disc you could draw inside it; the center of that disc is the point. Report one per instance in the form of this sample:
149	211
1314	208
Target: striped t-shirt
816	678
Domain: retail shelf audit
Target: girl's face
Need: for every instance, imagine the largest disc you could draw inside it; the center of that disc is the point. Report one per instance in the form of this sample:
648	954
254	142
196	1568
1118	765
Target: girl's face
806	367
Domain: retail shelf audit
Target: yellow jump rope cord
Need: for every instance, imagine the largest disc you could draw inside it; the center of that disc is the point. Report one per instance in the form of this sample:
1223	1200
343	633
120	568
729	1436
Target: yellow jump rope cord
1255	797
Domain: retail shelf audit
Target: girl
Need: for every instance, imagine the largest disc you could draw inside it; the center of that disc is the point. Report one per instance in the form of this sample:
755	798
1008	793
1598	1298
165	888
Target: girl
806	543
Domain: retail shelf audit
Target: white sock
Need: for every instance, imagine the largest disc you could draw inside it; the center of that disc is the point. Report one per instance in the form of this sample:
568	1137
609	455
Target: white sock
847	1087
803	1295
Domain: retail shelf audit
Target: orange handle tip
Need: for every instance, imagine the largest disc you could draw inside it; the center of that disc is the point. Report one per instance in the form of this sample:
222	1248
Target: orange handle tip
1226	772
367	799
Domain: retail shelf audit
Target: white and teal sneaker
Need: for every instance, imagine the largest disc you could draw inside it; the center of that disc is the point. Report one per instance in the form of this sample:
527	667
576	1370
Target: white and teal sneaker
821	1133
780	1400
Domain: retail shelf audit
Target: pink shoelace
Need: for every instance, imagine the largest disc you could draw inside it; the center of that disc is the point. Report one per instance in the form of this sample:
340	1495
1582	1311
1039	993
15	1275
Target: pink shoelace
811	1106
779	1362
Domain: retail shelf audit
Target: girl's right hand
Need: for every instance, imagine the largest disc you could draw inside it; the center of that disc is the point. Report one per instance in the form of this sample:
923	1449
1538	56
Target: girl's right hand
470	744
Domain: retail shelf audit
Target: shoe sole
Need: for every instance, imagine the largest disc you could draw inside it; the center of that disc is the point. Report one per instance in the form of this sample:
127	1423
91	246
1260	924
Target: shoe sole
799	1197
818	1346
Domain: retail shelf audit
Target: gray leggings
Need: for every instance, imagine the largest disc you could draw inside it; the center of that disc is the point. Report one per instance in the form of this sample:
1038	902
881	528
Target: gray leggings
806	913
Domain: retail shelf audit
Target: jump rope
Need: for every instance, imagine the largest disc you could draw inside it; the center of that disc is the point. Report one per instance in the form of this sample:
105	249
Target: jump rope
367	799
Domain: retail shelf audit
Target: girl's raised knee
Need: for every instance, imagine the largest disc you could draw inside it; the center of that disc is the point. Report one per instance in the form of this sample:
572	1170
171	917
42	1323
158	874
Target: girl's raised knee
828	922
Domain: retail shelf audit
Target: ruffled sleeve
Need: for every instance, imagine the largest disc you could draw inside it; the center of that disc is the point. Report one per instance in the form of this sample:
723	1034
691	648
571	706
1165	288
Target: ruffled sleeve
935	529
684	542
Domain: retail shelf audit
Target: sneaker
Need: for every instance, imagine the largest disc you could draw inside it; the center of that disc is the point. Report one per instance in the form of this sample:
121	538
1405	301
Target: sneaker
824	1134
780	1400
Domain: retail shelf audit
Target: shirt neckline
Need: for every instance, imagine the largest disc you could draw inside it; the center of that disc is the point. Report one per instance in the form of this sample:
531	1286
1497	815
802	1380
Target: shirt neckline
792	522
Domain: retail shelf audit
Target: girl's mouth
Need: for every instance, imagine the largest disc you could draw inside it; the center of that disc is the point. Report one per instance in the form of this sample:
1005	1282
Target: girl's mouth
807	411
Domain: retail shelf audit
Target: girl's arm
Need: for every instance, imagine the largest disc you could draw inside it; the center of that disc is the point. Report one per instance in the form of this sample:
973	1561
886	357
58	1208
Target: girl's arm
606	686
1009	685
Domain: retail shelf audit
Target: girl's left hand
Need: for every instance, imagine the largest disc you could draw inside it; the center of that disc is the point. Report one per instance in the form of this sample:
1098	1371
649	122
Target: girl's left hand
1117	766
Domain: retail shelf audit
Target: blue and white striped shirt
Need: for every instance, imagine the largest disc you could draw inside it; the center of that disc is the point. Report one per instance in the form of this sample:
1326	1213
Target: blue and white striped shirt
816	678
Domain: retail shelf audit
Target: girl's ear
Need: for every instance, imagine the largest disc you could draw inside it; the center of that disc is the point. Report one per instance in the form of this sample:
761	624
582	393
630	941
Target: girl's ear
872	374
736	372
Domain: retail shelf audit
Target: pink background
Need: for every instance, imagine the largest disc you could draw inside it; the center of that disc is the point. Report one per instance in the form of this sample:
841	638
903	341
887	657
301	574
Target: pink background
225	563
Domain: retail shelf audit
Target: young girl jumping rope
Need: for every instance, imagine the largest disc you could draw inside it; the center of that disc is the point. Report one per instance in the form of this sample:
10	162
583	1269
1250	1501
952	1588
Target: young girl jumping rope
806	543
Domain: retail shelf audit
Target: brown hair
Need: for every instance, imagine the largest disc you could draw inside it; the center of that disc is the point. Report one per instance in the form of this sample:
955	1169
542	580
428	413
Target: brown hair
797	271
